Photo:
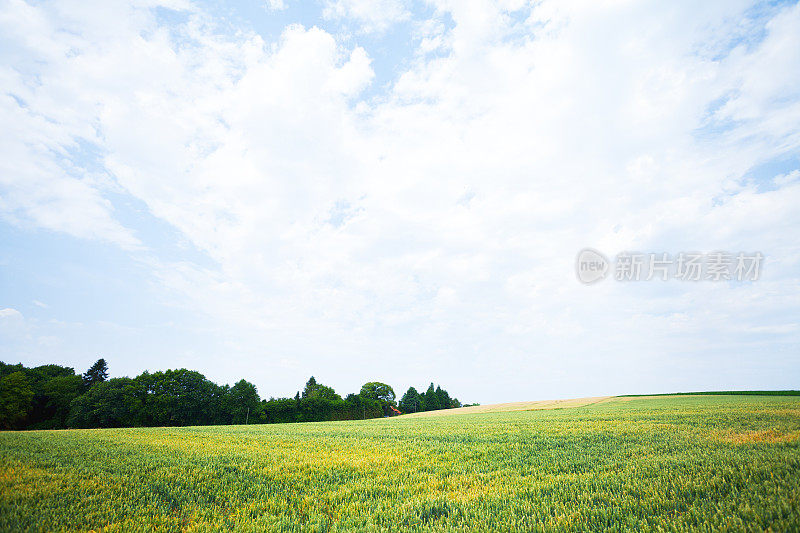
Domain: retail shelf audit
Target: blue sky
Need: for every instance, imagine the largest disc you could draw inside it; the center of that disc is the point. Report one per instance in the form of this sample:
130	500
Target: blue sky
396	191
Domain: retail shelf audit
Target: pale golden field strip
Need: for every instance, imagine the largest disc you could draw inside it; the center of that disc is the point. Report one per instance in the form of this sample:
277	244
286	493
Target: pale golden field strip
514	406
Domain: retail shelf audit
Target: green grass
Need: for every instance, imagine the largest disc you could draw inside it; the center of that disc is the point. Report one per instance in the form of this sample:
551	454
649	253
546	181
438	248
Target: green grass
722	393
667	463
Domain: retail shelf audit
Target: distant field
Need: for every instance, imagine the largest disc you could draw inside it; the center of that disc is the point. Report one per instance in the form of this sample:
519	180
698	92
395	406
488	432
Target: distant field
723	393
513	406
669	463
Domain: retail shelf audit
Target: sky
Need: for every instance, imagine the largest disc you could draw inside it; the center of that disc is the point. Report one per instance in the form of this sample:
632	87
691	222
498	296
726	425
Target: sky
389	190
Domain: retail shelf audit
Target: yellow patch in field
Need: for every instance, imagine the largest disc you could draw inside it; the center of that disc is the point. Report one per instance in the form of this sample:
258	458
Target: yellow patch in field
767	436
20	478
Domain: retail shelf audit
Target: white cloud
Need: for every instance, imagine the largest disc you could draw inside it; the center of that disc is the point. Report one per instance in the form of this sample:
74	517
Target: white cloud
276	5
370	15
9	312
436	224
49	114
13	329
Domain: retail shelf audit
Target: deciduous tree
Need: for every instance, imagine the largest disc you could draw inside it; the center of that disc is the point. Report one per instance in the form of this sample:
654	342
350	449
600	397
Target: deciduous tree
15	399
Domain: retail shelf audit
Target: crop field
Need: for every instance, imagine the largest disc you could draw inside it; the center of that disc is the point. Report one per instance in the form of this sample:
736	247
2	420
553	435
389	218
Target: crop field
513	406
661	463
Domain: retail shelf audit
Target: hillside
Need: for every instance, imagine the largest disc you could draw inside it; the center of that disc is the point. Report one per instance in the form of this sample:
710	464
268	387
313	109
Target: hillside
581	402
670	463
513	406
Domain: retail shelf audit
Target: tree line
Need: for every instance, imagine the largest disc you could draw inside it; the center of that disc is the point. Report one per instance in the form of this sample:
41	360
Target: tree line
55	397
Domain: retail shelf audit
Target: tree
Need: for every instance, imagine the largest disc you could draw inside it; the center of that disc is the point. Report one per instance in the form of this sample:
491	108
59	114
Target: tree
109	404
318	390
97	373
362	408
430	400
53	396
15	400
327	393
179	398
375	390
379	392
411	401
43	409
444	398
310	388
59	392
40	374
6	369
244	402
279	410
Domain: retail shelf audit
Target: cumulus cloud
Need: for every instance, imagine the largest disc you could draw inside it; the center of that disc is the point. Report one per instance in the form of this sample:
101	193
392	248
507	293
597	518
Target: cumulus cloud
438	222
276	5
369	15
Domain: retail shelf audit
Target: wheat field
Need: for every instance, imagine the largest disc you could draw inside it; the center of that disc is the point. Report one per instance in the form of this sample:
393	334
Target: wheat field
619	464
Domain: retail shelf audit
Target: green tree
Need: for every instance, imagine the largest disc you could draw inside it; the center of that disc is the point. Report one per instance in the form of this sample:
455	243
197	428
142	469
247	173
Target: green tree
97	373
6	369
430	400
411	402
43	373
43	410
178	398
16	399
375	390
280	410
318	390
109	404
59	392
444	398
362	408
327	393
379	392
310	388
244	402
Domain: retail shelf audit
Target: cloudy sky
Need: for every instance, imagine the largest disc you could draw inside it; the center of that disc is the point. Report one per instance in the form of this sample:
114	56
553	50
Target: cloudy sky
397	190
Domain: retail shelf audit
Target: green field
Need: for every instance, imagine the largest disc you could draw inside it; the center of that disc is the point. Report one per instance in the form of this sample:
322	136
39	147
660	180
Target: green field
666	463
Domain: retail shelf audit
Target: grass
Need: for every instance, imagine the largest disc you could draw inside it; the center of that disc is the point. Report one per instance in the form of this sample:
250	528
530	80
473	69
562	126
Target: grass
666	463
513	406
723	393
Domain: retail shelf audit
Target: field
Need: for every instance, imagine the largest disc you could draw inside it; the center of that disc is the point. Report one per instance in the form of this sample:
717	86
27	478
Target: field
513	406
659	463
